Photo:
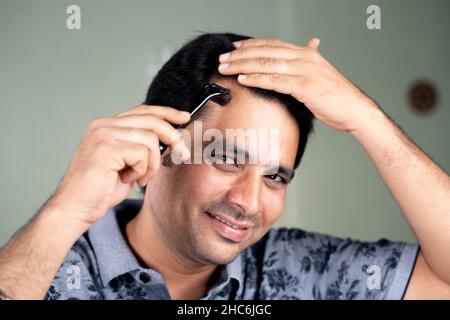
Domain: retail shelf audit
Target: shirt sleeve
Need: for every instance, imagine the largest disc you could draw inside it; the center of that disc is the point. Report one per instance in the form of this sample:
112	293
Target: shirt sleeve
327	267
75	278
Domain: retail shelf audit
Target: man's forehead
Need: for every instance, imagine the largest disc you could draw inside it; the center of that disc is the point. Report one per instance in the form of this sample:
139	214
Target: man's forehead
250	117
245	110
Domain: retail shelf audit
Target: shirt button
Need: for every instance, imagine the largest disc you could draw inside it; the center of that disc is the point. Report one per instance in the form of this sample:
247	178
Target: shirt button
144	277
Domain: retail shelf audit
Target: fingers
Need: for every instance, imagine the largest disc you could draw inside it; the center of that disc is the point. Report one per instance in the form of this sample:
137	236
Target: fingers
129	147
268	56
150	141
133	138
273	64
311	43
167	113
132	135
134	157
163	129
264	42
259	56
281	83
156	118
260	51
259	65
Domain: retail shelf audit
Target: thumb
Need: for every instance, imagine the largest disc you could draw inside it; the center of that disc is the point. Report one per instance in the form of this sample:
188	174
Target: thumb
313	43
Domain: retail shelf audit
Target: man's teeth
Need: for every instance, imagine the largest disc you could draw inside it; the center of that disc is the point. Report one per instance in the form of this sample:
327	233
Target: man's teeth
227	223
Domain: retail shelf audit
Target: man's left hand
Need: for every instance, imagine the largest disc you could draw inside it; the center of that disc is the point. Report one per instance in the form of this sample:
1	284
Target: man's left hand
302	72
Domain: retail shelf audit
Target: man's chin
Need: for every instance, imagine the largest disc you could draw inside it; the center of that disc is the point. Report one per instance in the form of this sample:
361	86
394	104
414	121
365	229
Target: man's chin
218	251
219	259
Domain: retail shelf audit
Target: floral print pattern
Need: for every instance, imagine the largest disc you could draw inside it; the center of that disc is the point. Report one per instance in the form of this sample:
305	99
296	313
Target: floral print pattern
284	264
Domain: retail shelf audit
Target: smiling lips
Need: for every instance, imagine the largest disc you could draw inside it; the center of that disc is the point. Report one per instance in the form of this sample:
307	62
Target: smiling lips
228	228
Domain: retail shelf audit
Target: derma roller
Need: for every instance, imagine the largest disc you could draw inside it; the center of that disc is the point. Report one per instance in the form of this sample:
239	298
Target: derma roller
211	91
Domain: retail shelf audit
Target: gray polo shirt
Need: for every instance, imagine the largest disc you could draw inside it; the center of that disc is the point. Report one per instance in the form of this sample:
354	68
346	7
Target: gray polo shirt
284	264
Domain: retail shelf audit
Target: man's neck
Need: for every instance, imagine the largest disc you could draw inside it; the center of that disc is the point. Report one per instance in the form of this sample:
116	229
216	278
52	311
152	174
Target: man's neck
184	279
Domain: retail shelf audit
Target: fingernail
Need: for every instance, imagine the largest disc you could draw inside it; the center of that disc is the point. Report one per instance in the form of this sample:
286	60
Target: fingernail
224	57
186	114
242	77
224	66
237	44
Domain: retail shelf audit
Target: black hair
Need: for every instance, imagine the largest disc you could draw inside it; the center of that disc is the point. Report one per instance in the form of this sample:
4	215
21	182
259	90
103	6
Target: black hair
196	63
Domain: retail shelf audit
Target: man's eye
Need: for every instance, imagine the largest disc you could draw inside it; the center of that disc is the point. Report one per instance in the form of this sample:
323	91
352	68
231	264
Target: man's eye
223	159
277	178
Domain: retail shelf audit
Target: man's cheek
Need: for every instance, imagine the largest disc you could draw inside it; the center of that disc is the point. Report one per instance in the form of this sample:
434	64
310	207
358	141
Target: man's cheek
209	179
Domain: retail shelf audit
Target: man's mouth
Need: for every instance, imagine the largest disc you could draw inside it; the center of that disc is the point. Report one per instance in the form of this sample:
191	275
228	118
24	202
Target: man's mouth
229	228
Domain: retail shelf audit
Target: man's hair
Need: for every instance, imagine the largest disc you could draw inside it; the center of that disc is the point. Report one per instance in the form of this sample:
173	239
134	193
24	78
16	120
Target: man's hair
196	63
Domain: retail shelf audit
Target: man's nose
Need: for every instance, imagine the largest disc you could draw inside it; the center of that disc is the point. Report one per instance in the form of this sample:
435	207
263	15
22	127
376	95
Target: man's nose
246	194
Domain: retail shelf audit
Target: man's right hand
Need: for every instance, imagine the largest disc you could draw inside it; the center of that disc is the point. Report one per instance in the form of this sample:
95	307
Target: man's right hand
113	155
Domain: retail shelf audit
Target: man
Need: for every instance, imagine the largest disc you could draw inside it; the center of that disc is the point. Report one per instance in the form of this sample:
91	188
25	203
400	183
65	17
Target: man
203	229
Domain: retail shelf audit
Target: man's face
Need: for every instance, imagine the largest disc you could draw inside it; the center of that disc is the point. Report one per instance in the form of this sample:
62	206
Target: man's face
210	212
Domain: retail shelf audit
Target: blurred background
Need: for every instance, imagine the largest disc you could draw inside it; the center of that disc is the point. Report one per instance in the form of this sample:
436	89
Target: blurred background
53	81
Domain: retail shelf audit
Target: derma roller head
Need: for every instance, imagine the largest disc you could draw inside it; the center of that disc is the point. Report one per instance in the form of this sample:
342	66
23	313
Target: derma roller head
211	91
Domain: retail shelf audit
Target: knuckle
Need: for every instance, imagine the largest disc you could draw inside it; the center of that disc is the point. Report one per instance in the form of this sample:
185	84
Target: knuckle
100	133
274	78
139	170
151	136
176	137
266	47
141	107
265	61
151	118
103	147
102	150
142	150
135	135
95	123
153	140
240	52
273	42
141	167
304	81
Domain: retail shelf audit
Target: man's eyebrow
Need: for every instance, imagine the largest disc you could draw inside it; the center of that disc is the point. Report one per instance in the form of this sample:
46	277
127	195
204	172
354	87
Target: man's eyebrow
284	170
228	147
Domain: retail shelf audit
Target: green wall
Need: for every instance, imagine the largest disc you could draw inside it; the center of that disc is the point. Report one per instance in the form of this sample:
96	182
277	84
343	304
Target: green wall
54	80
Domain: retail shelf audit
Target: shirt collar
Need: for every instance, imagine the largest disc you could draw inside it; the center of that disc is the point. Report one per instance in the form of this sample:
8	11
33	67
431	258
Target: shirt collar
114	256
